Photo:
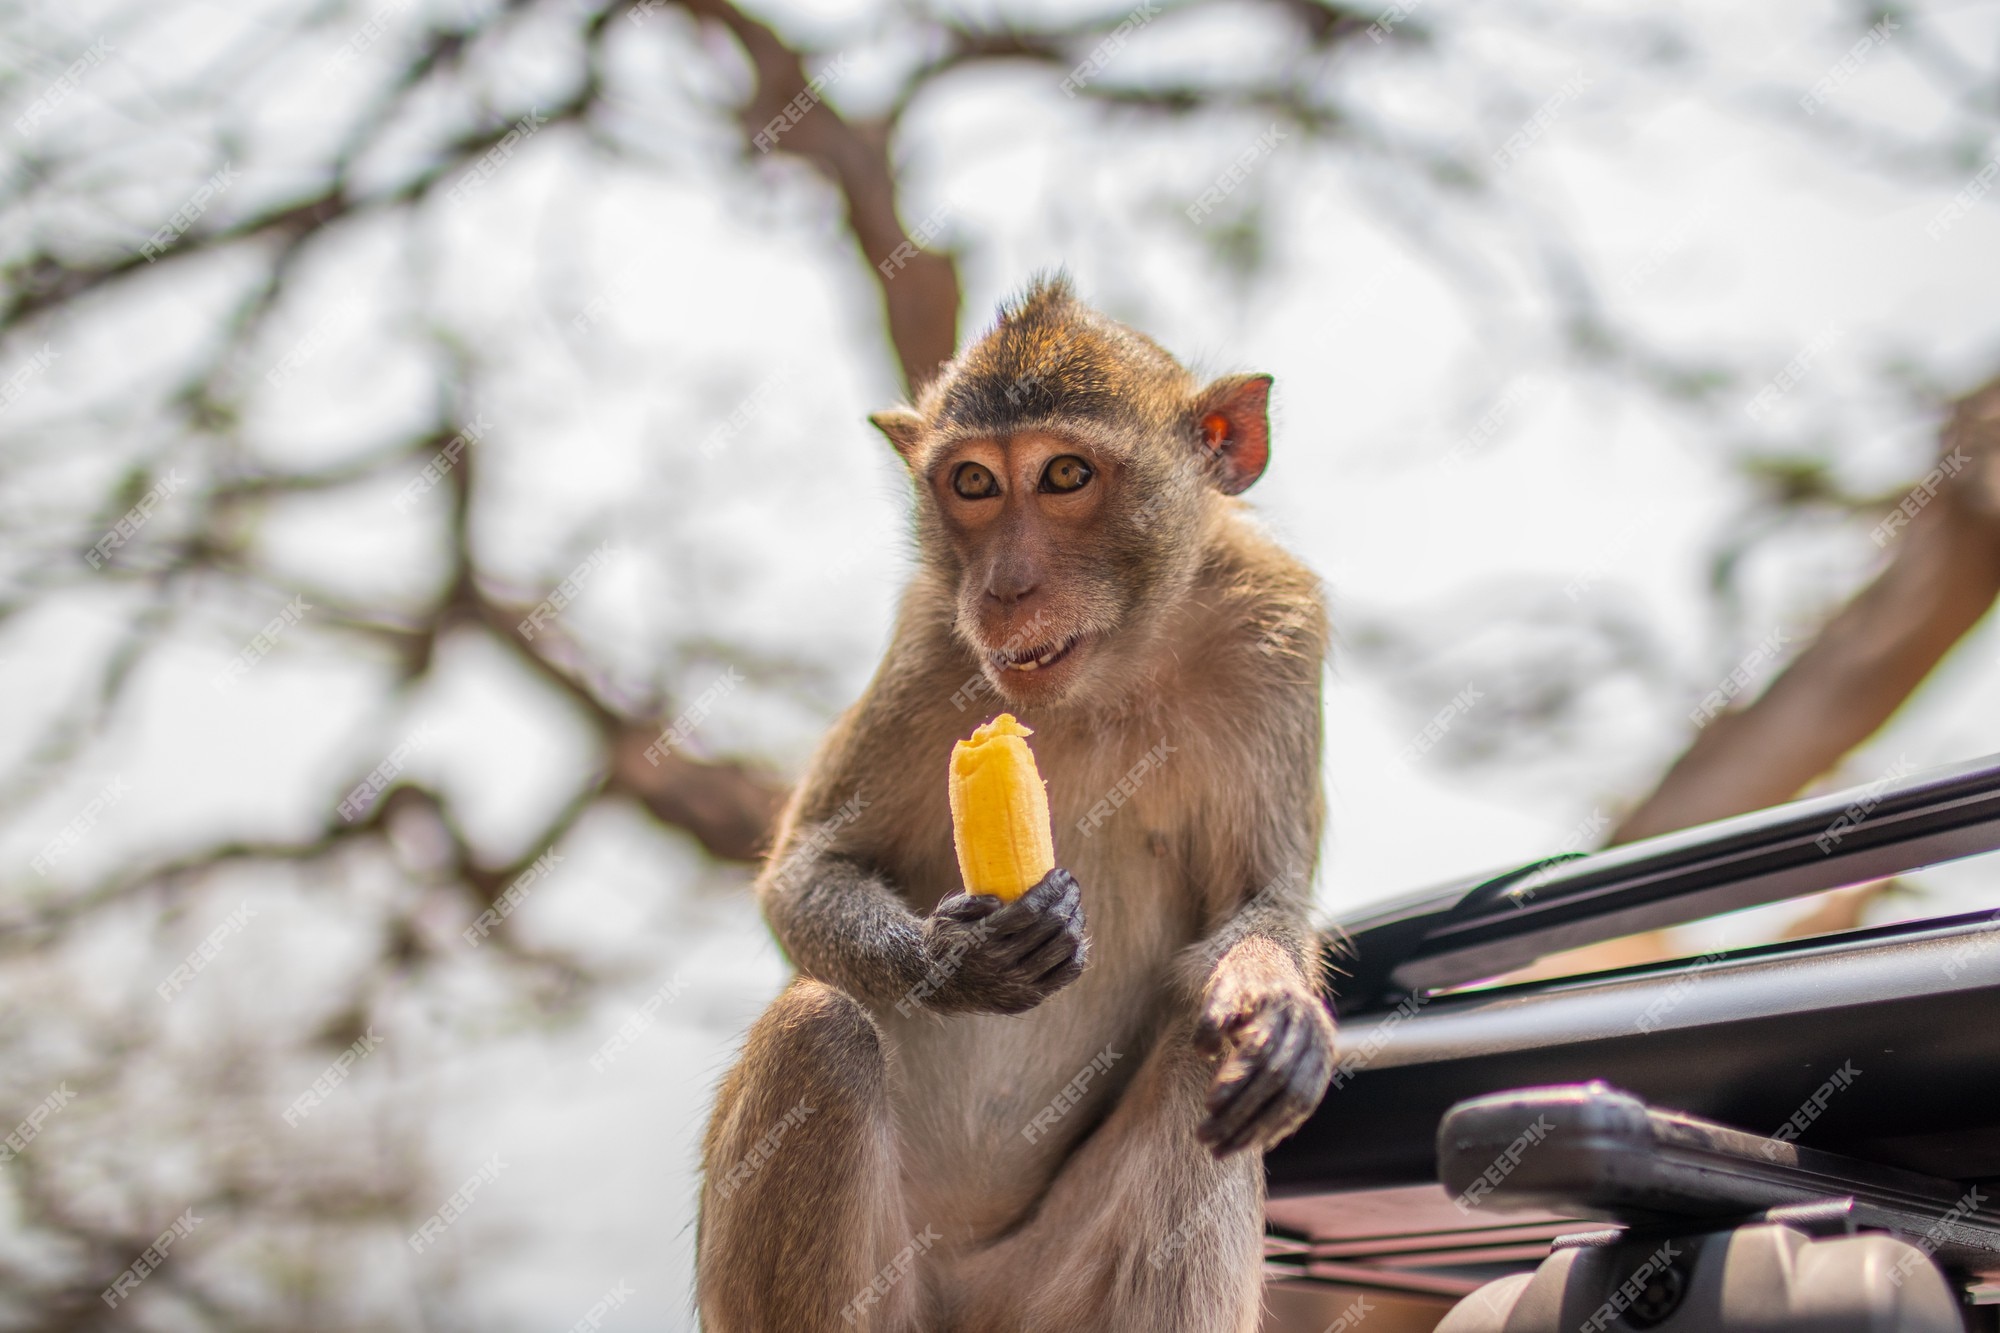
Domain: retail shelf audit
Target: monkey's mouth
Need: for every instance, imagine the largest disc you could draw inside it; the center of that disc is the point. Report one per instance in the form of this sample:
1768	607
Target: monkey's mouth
1034	659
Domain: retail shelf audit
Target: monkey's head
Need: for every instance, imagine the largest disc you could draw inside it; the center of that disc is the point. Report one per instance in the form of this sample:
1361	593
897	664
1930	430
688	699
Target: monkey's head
1067	471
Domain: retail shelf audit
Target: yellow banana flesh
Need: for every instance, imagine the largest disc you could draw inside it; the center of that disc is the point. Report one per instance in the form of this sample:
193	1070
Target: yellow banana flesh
1000	811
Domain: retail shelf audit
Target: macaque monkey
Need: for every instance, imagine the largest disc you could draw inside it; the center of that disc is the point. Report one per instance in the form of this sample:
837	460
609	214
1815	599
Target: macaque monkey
969	1116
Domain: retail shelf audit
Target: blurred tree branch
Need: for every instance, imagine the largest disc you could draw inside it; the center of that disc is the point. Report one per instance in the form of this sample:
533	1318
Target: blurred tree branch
920	291
1941	580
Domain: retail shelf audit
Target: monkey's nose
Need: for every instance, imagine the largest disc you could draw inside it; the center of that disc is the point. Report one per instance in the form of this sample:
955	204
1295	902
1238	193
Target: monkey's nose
1011	592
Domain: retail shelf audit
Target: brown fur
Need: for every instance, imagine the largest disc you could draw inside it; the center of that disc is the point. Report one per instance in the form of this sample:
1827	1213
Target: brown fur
1137	1206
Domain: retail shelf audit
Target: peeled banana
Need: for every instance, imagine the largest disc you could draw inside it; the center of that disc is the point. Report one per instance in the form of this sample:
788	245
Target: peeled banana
999	811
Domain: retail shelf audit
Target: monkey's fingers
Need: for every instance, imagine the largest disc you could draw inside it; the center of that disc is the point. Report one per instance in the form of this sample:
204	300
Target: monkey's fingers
1035	951
1220	1022
1058	962
1239	1107
966	907
1238	1071
1054	892
1305	1083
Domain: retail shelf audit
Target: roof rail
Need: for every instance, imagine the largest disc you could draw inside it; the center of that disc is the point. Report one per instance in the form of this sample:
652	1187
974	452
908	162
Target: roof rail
1473	930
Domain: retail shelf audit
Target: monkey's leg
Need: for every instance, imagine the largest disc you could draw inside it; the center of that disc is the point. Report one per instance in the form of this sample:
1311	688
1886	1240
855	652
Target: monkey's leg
801	1203
1142	1231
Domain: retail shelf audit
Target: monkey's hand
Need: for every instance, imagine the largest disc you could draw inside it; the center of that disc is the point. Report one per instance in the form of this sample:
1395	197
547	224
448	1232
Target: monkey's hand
1274	1040
989	956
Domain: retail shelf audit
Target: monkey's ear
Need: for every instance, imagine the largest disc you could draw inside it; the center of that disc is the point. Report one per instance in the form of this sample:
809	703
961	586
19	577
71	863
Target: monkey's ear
1232	419
904	428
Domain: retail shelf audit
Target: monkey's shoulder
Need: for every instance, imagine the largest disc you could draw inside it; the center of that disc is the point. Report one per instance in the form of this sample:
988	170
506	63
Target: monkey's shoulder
880	777
1254	633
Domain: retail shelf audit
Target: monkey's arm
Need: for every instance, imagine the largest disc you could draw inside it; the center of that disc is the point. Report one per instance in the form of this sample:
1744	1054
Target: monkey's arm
1262	1015
842	925
1260	1012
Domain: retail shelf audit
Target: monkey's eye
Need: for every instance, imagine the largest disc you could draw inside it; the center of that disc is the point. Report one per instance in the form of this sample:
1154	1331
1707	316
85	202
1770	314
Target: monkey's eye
974	482
1068	473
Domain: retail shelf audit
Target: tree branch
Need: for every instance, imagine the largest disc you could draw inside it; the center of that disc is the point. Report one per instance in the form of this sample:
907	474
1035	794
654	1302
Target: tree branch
1868	659
920	290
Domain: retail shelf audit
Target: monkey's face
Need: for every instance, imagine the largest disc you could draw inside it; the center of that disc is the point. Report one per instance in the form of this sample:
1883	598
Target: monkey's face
1066	542
1066	467
1029	521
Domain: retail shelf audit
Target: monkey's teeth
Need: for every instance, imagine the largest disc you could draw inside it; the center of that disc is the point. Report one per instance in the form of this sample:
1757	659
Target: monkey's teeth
1034	663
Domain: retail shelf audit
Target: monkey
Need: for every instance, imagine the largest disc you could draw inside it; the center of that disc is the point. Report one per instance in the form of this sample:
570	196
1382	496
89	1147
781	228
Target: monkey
970	1116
